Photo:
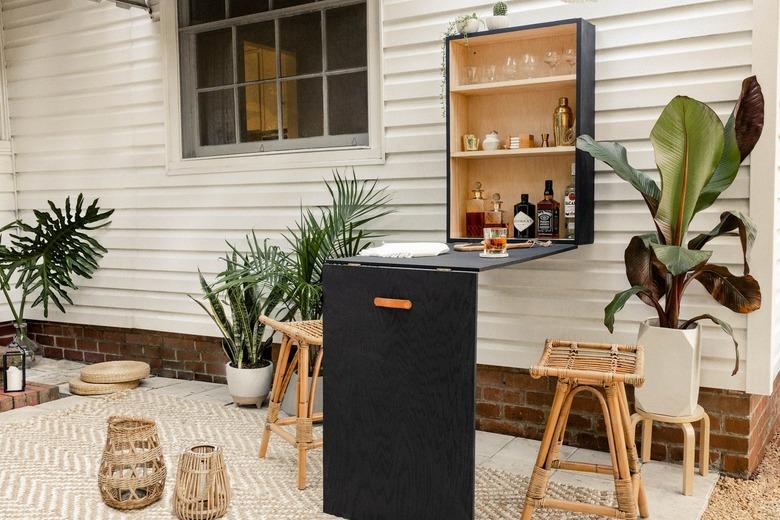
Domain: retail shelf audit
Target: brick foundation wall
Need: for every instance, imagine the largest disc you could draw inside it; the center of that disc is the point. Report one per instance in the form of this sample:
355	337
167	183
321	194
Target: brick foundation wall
510	401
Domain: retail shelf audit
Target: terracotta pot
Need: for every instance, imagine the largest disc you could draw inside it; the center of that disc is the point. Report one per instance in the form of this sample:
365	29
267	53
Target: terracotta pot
249	386
672	369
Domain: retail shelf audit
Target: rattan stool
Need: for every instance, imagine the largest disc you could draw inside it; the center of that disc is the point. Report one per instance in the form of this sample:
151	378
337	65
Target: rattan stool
304	335
602	370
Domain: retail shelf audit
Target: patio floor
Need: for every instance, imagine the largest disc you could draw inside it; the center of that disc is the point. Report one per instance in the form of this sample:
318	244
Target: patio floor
503	452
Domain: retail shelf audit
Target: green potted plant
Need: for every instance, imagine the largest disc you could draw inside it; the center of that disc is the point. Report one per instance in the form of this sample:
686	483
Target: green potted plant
697	158
499	20
236	311
42	260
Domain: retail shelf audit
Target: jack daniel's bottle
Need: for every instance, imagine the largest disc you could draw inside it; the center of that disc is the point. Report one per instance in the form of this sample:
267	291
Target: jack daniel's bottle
525	212
547	213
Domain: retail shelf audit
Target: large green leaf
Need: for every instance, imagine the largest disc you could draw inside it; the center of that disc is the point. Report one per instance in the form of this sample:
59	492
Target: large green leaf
615	156
617	304
741	294
679	260
688	143
729	221
643	269
725	327
741	133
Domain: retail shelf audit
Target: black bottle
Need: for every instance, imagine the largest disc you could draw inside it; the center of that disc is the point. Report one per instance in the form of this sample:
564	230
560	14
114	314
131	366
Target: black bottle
524	220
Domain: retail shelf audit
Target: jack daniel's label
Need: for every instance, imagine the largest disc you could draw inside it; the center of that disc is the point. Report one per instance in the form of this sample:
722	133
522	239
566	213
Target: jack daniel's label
522	221
544	224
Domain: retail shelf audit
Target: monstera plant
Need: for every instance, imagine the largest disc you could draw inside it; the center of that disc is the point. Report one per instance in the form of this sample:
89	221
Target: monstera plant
698	158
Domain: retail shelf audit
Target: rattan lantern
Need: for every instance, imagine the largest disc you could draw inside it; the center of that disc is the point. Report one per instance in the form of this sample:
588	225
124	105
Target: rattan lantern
202	489
14	370
132	469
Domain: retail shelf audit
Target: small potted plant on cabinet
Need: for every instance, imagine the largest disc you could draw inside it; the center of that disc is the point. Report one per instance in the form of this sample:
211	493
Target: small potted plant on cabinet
698	158
499	20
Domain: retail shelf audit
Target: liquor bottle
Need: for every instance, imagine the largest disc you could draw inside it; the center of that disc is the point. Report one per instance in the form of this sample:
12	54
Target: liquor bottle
475	212
525	212
547	213
495	216
569	201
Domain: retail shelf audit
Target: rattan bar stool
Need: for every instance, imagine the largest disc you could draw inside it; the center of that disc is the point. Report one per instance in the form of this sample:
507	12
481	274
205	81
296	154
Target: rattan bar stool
303	335
602	370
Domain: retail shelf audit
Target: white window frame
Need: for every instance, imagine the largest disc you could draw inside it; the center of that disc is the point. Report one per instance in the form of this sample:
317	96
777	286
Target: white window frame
177	164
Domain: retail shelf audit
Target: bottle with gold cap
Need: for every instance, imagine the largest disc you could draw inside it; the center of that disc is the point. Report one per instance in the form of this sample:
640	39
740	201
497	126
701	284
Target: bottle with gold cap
475	212
563	121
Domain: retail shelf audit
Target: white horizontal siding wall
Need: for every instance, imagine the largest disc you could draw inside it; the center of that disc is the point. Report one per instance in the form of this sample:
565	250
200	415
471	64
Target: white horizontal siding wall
87	114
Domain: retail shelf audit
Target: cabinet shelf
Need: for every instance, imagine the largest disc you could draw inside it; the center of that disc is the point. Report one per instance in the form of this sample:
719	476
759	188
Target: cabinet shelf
520	152
515	85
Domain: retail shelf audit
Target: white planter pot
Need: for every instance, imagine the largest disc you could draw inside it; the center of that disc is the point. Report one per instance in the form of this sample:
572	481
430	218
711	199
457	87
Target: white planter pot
672	369
290	399
469	26
496	22
249	386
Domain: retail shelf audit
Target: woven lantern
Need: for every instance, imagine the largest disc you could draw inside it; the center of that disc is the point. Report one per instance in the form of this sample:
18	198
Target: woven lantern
132	469
202	490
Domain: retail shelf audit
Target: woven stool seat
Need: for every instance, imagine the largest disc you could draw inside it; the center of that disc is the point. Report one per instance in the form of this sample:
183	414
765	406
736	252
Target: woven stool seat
602	370
307	337
115	372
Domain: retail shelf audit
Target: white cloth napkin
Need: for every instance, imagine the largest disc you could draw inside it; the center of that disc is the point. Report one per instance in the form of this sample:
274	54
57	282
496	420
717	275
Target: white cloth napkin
407	250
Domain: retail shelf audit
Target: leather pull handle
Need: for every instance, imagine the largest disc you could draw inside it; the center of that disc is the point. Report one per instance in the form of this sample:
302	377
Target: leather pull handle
392	303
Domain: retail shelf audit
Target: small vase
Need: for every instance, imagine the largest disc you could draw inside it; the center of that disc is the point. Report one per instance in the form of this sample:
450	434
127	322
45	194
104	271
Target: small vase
22	341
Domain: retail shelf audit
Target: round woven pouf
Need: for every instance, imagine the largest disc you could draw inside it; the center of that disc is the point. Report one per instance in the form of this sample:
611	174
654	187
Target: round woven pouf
79	387
202	489
115	372
132	468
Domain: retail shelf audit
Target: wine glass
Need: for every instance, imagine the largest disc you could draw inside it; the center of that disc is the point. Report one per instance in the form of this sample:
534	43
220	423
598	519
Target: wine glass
551	58
528	64
510	68
570	57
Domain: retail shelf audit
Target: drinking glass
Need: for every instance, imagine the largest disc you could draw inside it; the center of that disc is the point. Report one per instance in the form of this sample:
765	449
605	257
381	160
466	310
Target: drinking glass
471	74
510	68
570	57
528	65
489	74
495	242
551	58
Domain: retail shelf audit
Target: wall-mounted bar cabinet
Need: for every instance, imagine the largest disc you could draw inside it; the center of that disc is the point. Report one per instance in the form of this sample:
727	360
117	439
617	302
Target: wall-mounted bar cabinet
513	83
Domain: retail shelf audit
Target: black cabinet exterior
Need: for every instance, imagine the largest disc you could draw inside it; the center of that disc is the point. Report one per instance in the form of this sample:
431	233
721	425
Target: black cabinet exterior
399	393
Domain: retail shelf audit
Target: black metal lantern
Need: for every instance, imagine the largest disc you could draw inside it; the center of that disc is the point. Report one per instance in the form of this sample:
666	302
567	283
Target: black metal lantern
14	370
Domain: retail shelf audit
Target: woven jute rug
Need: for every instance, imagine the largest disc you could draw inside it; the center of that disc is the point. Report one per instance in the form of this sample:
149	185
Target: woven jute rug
48	466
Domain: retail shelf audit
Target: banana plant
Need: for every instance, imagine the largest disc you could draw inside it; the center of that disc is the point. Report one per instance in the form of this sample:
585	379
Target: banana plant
42	260
698	158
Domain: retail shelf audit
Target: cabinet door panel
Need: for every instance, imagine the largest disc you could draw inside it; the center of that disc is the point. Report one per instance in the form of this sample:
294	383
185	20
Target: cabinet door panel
399	393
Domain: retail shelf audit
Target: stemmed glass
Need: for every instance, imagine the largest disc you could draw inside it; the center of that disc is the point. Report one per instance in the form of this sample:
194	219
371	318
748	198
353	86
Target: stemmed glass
570	57
510	68
528	65
551	58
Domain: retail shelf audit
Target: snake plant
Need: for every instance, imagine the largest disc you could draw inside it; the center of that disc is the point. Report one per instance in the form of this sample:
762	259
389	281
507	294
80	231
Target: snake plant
698	158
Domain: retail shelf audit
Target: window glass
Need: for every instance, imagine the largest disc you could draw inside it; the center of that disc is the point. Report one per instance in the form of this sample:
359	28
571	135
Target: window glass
244	7
258	112
346	34
202	11
214	59
300	39
348	103
256	51
217	120
302	108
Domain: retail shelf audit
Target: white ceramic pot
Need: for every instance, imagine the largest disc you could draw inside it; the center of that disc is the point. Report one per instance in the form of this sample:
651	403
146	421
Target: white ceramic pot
289	401
469	26
672	369
491	142
496	22
249	386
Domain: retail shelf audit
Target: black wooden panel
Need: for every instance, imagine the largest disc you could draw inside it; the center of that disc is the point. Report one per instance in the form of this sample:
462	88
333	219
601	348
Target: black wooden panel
586	105
399	394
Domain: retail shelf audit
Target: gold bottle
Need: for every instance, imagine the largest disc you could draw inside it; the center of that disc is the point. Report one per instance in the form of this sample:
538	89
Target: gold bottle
563	121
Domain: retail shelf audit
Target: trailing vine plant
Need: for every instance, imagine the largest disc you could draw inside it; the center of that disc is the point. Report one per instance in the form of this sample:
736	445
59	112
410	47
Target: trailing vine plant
457	26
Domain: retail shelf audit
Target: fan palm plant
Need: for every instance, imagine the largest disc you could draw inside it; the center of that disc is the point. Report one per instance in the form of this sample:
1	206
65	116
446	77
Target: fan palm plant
42	260
698	158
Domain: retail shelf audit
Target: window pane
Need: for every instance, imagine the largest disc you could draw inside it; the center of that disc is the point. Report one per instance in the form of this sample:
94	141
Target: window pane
347	104
301	44
256	52
281	4
346	37
244	7
302	107
214	60
202	11
217	117
257	109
